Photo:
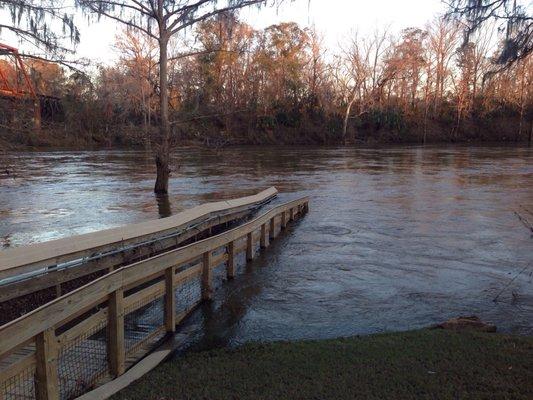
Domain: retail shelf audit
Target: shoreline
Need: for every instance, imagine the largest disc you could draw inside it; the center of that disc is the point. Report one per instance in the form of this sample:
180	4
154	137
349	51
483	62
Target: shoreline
11	147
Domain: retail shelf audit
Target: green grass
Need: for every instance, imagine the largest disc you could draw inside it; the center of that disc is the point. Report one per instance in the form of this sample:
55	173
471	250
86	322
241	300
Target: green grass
425	364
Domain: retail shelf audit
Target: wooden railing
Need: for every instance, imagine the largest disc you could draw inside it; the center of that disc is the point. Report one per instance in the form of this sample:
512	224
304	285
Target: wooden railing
67	346
46	265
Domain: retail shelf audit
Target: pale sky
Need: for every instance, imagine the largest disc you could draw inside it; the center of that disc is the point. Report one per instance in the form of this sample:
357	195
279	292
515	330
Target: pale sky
335	19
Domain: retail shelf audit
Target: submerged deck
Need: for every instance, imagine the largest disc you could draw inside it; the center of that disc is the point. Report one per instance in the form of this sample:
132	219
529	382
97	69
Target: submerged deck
95	333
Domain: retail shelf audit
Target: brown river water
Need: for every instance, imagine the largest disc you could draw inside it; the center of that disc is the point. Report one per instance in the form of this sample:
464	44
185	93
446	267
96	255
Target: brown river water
397	238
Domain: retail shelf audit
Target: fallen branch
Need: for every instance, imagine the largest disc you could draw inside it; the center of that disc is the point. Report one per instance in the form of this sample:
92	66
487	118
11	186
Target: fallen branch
509	283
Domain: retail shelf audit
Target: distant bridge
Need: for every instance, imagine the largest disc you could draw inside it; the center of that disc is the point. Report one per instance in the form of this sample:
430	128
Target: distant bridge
21	91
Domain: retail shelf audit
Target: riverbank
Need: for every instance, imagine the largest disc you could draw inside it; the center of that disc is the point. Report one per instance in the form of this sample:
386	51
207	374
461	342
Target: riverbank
421	364
214	134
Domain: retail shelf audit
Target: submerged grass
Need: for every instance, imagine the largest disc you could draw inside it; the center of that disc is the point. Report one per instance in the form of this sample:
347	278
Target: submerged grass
425	364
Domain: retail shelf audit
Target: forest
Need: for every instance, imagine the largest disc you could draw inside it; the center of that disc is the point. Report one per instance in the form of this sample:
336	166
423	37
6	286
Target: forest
232	84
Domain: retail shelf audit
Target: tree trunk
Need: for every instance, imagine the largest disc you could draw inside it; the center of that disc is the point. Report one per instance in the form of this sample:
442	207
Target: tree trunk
426	106
520	124
37	115
162	157
522	104
346	119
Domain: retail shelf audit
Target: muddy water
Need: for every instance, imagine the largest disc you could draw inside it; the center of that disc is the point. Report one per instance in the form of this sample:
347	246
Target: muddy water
396	238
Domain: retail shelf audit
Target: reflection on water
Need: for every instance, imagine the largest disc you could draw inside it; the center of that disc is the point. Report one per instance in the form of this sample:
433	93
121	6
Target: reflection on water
164	208
397	238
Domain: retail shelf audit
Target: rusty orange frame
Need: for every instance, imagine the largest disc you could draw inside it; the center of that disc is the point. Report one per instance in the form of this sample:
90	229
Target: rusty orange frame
19	65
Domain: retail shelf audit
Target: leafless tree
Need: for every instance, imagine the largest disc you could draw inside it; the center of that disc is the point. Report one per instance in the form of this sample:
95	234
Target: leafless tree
442	43
162	20
360	73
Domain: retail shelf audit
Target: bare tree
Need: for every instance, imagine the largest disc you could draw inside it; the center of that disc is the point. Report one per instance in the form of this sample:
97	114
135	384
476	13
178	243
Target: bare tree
351	71
162	20
138	57
442	43
361	74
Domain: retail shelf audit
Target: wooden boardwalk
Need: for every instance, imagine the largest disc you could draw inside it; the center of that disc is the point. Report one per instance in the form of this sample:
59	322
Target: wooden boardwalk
93	334
33	275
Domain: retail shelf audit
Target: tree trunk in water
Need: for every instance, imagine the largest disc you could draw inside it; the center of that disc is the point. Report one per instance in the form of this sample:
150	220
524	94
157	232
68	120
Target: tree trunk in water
162	157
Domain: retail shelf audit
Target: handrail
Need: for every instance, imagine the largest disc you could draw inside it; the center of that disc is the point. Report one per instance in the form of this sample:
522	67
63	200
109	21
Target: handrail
122	291
25	259
54	312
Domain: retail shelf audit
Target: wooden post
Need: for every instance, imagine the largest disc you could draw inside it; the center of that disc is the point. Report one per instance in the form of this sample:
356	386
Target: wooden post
46	377
116	349
283	220
207	290
272	230
230	265
250	246
263	241
291	215
170	300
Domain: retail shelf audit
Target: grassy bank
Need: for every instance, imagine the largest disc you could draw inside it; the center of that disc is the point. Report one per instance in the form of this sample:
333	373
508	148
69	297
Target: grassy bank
426	364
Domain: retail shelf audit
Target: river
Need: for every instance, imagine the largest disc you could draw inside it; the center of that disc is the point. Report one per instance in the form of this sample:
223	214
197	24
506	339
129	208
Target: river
397	237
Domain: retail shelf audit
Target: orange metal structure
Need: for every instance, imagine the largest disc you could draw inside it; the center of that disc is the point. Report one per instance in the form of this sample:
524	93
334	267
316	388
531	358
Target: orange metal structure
15	89
21	87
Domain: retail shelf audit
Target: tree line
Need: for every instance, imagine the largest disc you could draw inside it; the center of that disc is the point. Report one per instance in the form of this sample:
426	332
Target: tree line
281	84
225	82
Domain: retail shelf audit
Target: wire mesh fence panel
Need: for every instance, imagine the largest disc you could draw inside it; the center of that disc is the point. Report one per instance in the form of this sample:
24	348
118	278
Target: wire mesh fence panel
188	293
144	325
240	255
83	362
257	243
277	226
18	306
19	386
219	271
219	275
240	262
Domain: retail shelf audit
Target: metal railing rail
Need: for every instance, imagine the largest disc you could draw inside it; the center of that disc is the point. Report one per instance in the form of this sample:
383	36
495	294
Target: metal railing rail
36	256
